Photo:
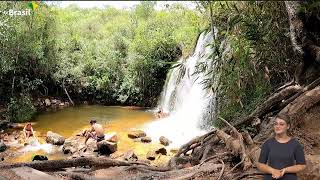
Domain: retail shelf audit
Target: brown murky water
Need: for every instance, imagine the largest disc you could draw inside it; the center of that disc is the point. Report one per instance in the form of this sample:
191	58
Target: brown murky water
70	121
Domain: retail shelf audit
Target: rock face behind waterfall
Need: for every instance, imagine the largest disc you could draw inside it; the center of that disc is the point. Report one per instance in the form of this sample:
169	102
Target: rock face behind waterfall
54	138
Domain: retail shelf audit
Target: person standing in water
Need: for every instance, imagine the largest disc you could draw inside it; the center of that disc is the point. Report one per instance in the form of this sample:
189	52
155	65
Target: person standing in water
282	156
96	132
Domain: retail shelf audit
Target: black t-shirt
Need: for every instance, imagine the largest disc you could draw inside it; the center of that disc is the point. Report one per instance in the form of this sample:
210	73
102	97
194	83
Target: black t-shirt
281	155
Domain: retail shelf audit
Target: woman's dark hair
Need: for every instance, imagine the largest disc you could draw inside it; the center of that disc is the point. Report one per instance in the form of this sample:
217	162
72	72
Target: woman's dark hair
284	117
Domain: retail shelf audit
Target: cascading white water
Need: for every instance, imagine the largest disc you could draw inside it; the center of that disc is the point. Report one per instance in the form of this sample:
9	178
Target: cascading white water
184	98
35	145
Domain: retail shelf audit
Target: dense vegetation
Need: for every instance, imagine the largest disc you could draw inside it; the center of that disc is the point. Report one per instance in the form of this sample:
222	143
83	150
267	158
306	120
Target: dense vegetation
260	58
113	56
106	55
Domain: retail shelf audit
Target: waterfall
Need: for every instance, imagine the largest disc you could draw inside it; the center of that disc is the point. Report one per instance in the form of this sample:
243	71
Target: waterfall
184	97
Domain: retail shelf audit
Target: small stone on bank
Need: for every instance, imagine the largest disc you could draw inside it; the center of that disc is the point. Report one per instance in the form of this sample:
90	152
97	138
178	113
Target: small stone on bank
146	139
136	134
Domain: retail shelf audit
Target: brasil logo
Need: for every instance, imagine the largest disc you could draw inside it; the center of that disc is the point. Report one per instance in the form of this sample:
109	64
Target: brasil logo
33	5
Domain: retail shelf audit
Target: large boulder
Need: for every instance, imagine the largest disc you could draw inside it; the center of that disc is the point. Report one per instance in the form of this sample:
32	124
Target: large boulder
76	148
106	148
71	145
136	134
54	138
164	141
3	147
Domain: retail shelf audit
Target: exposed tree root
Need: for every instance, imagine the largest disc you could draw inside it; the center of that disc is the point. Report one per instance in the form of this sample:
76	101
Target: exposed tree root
195	142
78	176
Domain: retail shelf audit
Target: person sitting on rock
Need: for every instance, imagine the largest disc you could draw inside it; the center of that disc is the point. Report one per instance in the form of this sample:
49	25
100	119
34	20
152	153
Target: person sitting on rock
96	132
28	130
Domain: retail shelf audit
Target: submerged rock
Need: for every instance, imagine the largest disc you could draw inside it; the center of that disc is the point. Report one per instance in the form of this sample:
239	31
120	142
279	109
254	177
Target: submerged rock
164	141
136	134
54	138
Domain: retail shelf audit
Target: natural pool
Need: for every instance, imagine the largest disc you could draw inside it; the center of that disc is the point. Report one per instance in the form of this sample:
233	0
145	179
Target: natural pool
70	121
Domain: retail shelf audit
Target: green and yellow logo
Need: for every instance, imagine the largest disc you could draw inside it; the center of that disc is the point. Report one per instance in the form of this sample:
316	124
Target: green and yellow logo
33	5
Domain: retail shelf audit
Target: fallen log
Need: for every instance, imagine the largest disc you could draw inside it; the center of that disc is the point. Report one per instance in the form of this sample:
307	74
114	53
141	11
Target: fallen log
58	164
293	111
307	88
271	102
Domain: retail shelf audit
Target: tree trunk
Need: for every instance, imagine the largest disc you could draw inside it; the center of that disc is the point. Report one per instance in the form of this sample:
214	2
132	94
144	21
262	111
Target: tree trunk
58	164
306	49
65	90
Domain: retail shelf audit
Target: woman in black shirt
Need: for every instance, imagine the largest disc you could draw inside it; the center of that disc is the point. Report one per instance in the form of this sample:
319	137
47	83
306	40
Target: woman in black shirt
281	157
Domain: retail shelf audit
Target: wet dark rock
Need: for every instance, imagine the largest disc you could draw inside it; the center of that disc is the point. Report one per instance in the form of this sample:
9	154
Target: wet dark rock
106	148
162	151
39	158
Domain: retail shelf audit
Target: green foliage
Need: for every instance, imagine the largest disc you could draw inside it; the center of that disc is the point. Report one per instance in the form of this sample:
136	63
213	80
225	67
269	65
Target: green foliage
252	54
122	56
105	55
28	49
20	109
